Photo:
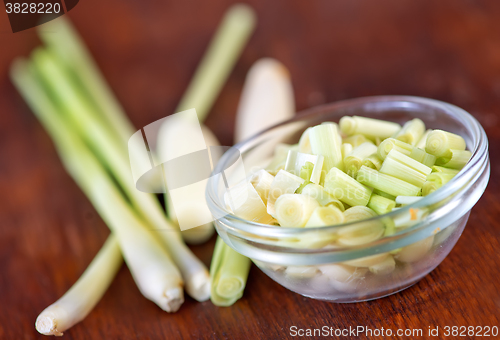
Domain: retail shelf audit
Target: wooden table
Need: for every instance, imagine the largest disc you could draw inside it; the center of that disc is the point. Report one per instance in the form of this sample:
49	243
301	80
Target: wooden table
49	232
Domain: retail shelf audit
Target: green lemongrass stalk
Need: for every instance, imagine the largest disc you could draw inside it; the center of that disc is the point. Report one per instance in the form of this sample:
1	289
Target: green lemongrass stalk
362	232
294	210
83	118
415	251
356	140
423	140
305	142
262	183
354	159
405	168
325	142
345	149
79	300
385	267
346	189
229	272
391	185
411	132
154	273
319	194
440	143
457	160
325	216
373	161
368	127
437	168
284	183
413	152
279	156
405	200
246	203
296	160
380	204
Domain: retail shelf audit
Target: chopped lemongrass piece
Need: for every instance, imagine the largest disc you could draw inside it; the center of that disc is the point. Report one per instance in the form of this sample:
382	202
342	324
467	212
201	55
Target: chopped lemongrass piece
280	154
229	272
423	140
345	149
411	132
437	168
373	161
389	184
294	210
262	183
413	152
390	227
301	272
362	232
284	183
325	216
296	160
429	188
305	142
354	160
343	277
415	251
405	168
325	141
384	194
380	204
319	194
368	127
367	261
457	161
79	300
405	200
346	189
435	181
246	203
385	267
306	171
440	143
406	220
356	140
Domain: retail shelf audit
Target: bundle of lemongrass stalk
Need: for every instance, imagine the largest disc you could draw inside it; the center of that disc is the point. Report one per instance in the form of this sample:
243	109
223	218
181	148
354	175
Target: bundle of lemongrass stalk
69	96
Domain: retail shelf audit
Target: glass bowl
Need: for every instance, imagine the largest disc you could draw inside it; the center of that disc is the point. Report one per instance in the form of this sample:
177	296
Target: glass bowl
307	261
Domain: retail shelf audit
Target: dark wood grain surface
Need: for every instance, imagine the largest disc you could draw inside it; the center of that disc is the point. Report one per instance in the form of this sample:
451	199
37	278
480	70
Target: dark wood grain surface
335	49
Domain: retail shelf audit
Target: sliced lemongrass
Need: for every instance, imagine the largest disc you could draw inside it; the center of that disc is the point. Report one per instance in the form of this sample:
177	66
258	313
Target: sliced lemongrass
423	140
345	149
380	204
413	152
384	194
404	168
437	168
262	183
409	162
415	251
319	194
405	200
440	143
280	155
296	160
229	272
412	217
390	227
325	142
354	159
294	210
373	161
79	300
339	137
440	178
385	267
361	232
305	142
356	140
346	189
367	261
343	277
389	184
306	171
411	132
325	216
246	203
368	127
301	272
284	183
457	161
429	188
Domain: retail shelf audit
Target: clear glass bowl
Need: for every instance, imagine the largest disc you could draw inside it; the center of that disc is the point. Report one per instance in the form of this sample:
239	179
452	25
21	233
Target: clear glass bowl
304	259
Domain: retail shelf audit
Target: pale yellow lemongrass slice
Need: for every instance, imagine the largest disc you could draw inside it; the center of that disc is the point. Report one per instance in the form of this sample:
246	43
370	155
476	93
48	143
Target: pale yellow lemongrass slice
261	181
457	161
380	204
423	140
354	159
345	149
415	251
356	140
385	267
325	142
368	127
437	168
367	261
279	156
405	168
411	132
413	152
440	143
346	189
373	161
284	183
319	194
296	160
301	272
362	232
305	142
342	277
246	203
294	210
405	200
389	184
325	216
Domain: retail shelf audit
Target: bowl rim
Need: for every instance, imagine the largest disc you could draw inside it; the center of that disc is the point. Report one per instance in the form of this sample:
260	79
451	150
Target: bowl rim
478	159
